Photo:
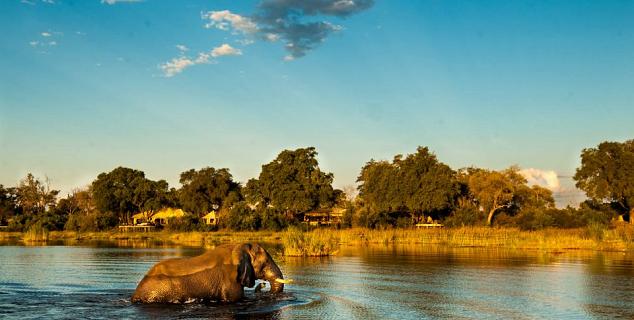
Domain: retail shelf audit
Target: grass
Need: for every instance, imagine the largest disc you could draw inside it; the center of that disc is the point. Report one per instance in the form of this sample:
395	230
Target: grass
316	243
36	233
323	242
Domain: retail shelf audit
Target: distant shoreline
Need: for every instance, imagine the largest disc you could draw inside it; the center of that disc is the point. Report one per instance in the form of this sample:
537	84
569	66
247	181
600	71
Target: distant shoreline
325	241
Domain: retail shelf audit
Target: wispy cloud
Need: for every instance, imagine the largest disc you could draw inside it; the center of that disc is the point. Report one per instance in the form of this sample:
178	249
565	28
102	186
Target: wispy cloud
113	2
46	39
178	64
292	21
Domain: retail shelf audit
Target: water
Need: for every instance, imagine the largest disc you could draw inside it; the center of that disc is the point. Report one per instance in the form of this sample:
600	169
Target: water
402	282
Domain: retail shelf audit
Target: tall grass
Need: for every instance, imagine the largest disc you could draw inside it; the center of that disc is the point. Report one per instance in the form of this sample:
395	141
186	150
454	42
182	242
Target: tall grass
321	242
316	243
36	233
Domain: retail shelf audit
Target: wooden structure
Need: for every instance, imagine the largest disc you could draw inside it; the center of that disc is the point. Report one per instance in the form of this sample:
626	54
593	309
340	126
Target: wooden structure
211	219
137	228
325	217
429	225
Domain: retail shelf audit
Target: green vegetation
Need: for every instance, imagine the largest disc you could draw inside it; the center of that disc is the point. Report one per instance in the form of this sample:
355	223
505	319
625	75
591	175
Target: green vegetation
316	243
393	197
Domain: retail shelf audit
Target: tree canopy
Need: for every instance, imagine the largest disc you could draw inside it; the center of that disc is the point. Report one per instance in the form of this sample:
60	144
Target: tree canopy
417	185
124	191
606	174
207	189
293	183
506	189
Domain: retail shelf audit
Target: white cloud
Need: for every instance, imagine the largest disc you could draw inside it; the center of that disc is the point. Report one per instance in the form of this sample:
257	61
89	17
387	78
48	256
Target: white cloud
27	2
46	34
225	20
112	2
544	178
225	50
182	48
176	66
272	37
34	43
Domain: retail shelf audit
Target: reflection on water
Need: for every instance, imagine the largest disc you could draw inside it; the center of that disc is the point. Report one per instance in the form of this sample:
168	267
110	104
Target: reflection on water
396	282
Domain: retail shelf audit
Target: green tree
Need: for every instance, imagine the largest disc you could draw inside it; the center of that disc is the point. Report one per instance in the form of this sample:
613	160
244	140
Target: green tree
34	197
293	184
208	189
606	174
417	185
493	190
506	190
124	191
7	204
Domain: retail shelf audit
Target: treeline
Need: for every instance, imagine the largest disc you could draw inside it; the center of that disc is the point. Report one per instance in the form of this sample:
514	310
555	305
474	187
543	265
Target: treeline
399	193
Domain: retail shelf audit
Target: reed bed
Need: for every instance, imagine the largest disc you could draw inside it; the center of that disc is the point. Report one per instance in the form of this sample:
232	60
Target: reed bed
317	243
36	233
322	242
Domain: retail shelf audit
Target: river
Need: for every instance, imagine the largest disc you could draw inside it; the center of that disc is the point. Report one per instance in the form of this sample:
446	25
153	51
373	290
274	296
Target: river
374	282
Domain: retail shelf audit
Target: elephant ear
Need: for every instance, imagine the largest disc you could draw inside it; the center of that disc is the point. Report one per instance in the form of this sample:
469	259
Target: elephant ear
246	274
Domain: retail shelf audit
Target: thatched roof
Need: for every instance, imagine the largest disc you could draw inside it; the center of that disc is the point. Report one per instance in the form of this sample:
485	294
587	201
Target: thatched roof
211	214
169	213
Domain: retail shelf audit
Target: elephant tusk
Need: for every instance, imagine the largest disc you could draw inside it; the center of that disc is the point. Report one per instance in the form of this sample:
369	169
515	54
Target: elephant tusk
284	281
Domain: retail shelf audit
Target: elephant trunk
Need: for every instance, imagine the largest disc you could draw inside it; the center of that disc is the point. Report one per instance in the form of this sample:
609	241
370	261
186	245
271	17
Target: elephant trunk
271	273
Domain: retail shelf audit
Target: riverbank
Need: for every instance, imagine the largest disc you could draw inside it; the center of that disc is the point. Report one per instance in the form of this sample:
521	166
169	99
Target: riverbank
326	241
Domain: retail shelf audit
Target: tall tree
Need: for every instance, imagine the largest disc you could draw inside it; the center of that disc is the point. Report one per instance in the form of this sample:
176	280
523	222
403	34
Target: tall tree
124	191
7	204
33	196
293	183
606	174
507	190
207	189
492	190
417	185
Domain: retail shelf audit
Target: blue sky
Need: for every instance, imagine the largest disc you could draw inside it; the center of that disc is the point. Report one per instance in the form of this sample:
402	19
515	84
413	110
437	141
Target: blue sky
165	86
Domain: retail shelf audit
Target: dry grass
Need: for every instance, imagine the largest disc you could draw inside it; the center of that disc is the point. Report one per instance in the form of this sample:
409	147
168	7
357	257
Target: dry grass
322	242
36	233
316	243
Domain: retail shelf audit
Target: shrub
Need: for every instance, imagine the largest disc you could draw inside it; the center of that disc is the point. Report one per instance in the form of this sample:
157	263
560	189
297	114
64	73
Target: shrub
184	224
465	216
242	218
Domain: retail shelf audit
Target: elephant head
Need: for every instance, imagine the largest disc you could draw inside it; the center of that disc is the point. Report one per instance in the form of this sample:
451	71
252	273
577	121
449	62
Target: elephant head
254	262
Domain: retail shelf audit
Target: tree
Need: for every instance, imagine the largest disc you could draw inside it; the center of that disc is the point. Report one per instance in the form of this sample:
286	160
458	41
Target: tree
292	183
7	204
33	196
417	185
492	190
124	191
507	189
606	174
207	189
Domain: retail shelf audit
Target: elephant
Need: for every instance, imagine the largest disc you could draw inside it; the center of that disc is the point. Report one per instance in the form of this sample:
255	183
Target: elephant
219	274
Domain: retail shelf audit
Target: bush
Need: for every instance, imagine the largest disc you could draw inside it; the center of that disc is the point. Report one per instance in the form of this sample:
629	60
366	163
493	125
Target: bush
184	224
242	218
465	216
535	219
91	221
